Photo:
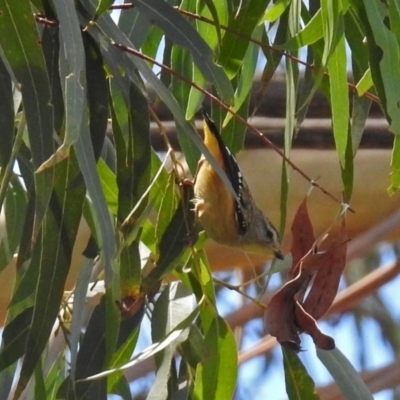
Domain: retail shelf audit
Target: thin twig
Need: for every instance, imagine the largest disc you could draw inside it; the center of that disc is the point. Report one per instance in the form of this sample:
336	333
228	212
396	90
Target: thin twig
237	289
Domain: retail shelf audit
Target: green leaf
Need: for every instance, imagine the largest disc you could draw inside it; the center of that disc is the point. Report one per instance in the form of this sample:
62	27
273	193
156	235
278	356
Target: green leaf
102	7
384	61
365	83
167	206
175	240
128	333
274	12
15	205
153	349
172	307
52	256
310	34
360	112
55	377
123	353
90	361
245	83
234	46
122	389
217	12
40	386
72	63
346	377
6	116
395	165
135	26
14	338
51	51
80	293
109	186
182	63
337	68
87	164
97	94
299	384
216	376
19	40
181	32
152	43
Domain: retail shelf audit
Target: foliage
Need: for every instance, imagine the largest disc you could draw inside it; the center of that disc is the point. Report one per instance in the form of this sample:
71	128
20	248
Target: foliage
70	75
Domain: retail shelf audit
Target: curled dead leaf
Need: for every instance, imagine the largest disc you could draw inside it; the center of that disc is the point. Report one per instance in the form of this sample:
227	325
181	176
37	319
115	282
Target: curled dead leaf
280	314
312	286
309	325
286	319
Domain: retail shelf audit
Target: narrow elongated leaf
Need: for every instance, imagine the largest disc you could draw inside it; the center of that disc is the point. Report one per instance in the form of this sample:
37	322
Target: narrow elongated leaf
182	63
14	338
6	116
167	207
97	94
274	12
245	81
339	96
72	72
216	376
135	26
51	51
212	35
125	349
52	255
109	185
40	386
182	32
19	41
233	47
103	6
360	112
395	165
175	240
346	377
310	34
78	310
15	206
299	384
153	349
174	305
90	360
384	61
87	163
365	83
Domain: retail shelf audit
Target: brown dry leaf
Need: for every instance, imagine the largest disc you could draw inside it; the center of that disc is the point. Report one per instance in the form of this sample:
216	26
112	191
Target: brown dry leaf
288	314
280	317
330	269
309	325
303	236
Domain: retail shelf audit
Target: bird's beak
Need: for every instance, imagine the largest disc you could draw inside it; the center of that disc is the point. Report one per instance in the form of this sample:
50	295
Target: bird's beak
278	254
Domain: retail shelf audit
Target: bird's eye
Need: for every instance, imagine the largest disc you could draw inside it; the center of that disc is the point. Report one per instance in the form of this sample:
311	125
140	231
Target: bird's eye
270	234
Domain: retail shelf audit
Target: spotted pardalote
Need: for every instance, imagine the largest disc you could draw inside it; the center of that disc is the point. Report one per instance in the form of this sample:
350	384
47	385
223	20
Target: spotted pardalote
229	220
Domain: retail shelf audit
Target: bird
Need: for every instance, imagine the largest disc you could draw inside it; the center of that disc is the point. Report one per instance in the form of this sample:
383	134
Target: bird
234	221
